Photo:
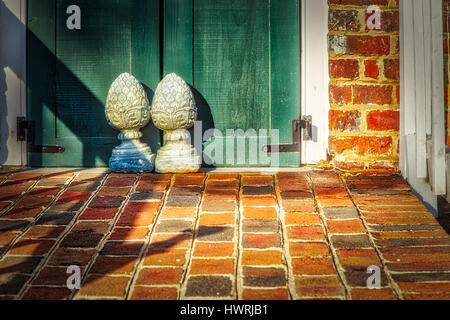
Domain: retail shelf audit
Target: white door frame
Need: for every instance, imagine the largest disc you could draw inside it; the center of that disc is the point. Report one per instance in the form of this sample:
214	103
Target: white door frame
315	78
13	80
422	114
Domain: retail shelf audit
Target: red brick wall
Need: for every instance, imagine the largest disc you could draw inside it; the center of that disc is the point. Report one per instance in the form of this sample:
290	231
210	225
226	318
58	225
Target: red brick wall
364	85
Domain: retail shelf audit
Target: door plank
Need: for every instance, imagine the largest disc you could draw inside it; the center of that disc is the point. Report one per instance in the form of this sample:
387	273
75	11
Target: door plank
146	56
41	74
88	61
232	74
285	72
178	39
231	58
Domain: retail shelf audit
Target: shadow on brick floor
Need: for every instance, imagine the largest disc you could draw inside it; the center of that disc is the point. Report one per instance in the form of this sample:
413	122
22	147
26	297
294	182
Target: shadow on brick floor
444	214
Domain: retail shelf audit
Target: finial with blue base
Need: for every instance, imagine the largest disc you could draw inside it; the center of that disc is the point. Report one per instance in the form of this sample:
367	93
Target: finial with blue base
128	110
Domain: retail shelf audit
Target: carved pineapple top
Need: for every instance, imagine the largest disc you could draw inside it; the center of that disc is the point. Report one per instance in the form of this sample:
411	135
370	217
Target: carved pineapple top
173	105
127	105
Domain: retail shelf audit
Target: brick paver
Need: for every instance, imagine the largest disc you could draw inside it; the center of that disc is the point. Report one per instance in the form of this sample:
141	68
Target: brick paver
299	235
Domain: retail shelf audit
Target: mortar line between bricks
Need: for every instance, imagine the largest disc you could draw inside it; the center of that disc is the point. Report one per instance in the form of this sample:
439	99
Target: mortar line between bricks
189	253
11	205
68	227
240	211
334	258
285	242
8	175
392	283
147	241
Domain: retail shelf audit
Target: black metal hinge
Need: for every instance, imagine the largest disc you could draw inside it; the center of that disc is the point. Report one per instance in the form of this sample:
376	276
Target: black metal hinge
300	128
26	132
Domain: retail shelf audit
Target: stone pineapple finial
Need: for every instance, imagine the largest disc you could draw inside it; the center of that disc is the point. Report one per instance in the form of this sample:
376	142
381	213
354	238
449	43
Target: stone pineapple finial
128	110
174	111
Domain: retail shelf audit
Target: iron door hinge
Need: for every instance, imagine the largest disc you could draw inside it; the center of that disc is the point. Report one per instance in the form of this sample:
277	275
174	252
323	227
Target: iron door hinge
300	129
26	132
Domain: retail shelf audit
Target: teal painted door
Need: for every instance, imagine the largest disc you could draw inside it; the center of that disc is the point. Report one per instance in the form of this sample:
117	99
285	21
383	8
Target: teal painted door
70	72
242	58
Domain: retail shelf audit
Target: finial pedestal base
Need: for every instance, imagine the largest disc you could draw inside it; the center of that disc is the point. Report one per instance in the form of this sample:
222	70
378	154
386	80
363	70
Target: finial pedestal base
132	156
177	156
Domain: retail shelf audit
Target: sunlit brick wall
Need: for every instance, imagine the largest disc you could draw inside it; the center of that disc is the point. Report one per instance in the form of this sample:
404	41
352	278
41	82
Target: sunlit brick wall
364	85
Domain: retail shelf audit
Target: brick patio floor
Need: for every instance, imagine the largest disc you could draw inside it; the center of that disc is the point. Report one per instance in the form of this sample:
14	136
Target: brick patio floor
304	235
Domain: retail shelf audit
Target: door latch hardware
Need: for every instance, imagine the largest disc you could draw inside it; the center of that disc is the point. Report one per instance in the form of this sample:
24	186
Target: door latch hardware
26	132
300	128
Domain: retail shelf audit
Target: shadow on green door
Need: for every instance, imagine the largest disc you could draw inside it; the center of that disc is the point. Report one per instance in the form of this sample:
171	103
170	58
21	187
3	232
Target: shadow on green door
240	57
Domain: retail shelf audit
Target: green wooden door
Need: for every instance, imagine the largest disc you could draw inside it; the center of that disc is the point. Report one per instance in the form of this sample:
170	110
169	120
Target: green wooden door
242	58
70	72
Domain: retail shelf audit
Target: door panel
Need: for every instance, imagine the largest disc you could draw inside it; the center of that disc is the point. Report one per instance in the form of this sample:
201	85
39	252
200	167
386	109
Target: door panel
116	36
89	60
231	61
242	58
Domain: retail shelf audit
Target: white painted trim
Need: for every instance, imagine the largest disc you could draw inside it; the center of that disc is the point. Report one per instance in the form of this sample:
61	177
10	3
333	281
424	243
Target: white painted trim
407	76
420	112
315	78
422	109
428	66
419	186
13	82
438	157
